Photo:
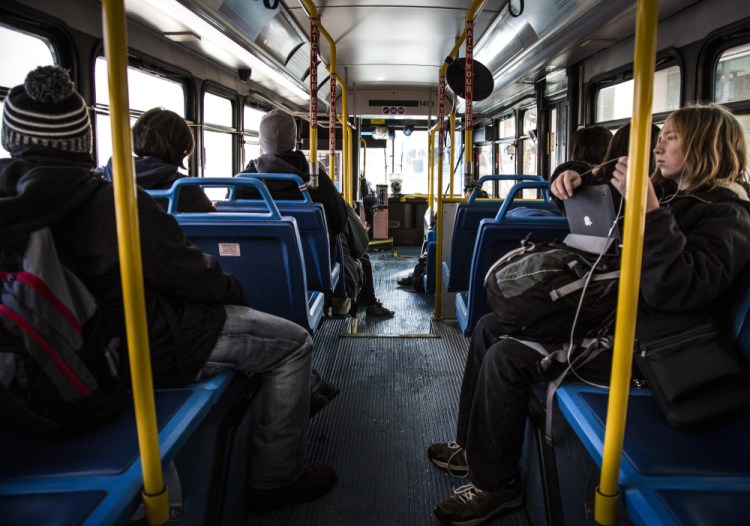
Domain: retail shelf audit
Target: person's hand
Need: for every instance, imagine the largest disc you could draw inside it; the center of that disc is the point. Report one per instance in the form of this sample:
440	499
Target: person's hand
620	176
565	183
620	182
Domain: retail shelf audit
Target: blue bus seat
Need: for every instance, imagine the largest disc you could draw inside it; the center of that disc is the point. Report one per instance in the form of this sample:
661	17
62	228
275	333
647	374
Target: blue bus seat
428	280
672	476
466	224
275	283
688	506
95	478
322	273
496	237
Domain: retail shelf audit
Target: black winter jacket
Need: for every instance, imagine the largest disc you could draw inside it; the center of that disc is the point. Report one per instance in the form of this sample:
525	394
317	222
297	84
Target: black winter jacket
154	174
694	247
185	289
295	162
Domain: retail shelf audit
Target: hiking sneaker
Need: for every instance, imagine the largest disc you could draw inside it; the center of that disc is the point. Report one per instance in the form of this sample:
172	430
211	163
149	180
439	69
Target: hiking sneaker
377	309
316	480
449	456
408	281
470	505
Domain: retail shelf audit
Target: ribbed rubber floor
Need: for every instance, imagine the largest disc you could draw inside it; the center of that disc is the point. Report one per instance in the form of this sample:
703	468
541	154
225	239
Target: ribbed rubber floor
398	394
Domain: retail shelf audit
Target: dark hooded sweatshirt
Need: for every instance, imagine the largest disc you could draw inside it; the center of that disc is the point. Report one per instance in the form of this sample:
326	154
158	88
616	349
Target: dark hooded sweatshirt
152	173
295	162
185	290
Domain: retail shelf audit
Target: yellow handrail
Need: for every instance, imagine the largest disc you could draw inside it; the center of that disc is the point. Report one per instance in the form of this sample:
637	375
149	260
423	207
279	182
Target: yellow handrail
431	167
471	14
364	157
346	138
627	302
452	158
155	493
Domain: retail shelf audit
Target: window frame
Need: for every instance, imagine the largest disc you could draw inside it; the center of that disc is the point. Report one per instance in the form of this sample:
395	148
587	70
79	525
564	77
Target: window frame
664	59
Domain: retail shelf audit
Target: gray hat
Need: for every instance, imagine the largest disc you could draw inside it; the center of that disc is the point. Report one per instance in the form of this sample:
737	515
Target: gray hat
278	132
47	111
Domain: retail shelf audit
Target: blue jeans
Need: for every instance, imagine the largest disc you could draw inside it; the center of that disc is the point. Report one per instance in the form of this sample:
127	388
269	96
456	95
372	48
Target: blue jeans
254	342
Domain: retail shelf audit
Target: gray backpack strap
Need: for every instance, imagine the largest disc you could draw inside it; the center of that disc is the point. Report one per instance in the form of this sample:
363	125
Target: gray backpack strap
591	349
580	283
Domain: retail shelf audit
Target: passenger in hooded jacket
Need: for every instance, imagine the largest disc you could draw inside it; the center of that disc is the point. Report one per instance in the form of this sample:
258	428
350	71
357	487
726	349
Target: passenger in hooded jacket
162	140
696	243
278	138
198	320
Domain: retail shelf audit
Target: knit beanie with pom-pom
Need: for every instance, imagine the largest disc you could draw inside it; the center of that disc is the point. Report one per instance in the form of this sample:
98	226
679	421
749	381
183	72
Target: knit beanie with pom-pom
47	111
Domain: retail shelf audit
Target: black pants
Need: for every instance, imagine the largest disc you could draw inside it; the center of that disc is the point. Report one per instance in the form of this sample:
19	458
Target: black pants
494	401
367	293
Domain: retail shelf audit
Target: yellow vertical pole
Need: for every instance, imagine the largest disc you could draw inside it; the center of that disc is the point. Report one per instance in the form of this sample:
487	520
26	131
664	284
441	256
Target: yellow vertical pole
364	157
471	14
453	149
431	168
607	492
155	495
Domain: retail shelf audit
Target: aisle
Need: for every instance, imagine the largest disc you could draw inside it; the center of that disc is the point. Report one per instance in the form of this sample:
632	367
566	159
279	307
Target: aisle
398	394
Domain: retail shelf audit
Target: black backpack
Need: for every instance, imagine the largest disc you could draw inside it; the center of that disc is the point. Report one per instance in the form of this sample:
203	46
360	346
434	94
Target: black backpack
535	291
60	366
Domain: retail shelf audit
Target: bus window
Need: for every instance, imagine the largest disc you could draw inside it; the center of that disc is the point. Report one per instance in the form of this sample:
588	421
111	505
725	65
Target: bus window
732	81
36	52
251	126
616	101
217	136
145	91
484	160
506	132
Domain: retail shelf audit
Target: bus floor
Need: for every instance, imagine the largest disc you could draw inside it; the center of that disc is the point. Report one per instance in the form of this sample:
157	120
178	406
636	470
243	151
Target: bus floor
400	380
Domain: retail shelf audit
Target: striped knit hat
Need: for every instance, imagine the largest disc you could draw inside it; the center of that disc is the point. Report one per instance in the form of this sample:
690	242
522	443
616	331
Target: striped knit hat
47	111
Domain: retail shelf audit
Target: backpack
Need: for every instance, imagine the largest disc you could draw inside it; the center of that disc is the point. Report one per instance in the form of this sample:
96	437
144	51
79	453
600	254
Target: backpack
59	359
535	291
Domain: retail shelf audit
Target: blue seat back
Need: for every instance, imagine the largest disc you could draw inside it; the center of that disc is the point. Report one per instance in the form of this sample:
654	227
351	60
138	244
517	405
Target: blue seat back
322	273
262	249
495	237
468	215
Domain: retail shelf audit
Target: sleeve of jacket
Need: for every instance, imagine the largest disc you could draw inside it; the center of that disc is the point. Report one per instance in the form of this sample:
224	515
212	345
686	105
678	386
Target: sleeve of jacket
175	266
576	166
681	271
333	204
194	199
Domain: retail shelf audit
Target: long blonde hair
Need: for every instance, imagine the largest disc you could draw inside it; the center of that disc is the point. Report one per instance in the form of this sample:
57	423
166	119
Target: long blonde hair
713	146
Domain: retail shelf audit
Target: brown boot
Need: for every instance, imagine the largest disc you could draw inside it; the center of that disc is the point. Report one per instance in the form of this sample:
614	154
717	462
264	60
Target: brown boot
316	480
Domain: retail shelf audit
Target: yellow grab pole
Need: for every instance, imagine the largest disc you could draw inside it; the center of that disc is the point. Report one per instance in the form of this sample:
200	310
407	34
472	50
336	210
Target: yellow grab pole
471	14
627	302
155	494
453	149
346	142
332	110
349	140
431	166
364	157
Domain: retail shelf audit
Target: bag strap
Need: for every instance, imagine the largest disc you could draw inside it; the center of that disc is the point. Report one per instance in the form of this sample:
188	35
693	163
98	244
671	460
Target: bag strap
580	283
592	347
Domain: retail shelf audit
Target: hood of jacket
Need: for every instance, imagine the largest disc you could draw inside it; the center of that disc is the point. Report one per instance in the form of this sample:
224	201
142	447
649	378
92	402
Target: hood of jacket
288	162
38	187
150	173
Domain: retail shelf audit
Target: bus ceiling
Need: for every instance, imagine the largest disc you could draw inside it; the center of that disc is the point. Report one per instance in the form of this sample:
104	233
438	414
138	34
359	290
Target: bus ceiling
393	47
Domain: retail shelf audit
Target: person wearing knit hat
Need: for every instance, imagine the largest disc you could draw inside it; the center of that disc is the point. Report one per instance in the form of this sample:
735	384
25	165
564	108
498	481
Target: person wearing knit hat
278	140
278	132
46	111
199	320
